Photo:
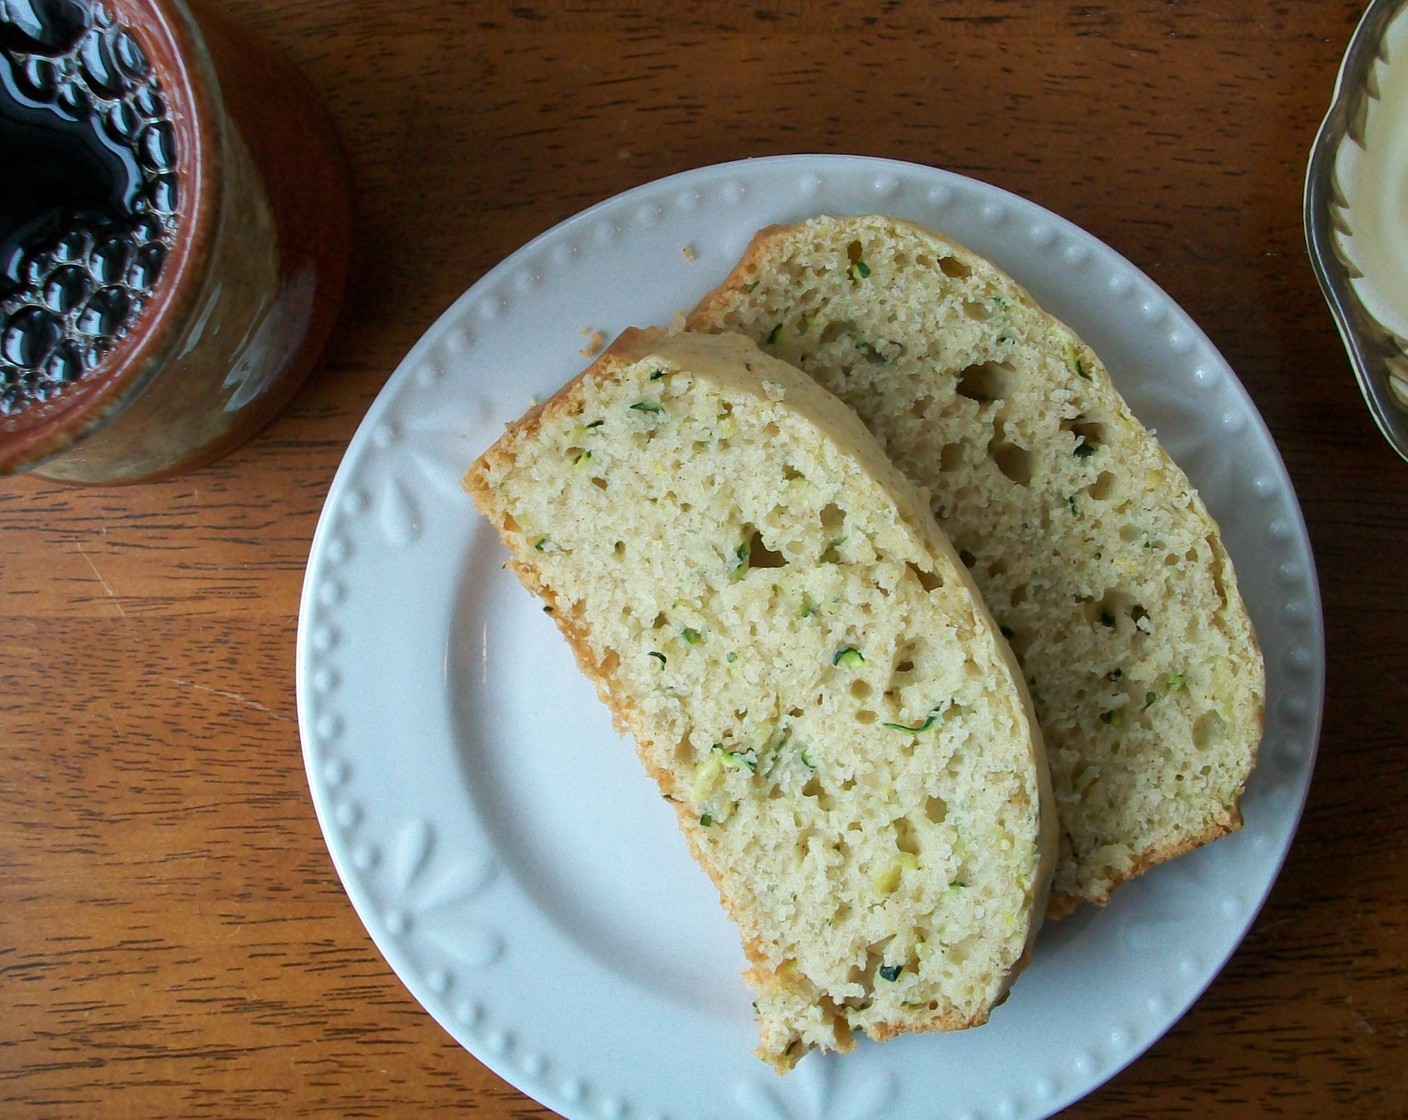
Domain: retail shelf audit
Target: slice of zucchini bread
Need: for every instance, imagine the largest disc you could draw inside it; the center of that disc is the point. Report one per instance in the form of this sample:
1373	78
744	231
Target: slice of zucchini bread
1090	545
809	673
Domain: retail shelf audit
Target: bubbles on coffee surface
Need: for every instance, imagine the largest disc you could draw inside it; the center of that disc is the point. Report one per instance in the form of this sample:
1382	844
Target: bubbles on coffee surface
84	237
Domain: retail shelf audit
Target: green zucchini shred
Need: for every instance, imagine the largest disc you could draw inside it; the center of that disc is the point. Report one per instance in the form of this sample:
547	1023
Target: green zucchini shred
928	723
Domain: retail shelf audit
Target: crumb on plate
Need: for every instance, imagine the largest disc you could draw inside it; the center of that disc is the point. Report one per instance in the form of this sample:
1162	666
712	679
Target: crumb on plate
596	339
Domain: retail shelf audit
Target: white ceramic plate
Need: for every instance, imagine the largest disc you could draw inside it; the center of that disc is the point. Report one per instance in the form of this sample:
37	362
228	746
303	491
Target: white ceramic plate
507	853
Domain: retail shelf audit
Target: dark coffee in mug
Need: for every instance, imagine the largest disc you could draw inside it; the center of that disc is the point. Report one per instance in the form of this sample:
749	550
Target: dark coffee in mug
90	192
175	227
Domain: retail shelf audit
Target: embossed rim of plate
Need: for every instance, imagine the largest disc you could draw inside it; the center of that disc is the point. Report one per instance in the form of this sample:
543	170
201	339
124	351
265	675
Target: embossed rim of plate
1104	985
1368	344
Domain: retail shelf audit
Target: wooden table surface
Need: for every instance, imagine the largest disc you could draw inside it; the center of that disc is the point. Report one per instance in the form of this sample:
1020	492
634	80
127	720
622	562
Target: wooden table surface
173	940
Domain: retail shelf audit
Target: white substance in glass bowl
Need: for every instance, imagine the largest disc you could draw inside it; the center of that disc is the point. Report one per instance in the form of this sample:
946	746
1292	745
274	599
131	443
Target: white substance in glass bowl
1371	172
1356	212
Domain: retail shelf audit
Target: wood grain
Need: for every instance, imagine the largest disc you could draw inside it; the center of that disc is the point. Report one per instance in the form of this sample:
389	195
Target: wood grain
173	940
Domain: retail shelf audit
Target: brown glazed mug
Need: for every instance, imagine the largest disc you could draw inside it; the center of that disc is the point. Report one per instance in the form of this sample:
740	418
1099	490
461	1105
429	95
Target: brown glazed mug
239	169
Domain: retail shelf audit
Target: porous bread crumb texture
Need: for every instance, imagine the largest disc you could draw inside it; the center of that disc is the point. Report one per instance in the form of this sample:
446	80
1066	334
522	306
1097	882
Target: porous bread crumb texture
807	671
1090	546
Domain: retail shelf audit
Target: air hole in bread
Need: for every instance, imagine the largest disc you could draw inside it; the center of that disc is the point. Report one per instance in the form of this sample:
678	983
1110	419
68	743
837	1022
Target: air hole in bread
936	809
1106	613
1102	487
927	580
608	664
836	329
905	838
921	407
875	958
813	788
1088	433
955	268
1112	606
861	690
1013	461
789	472
988	381
968	558
951	458
978	312
756	554
832	520
1208	728
866	716
905	666
619	548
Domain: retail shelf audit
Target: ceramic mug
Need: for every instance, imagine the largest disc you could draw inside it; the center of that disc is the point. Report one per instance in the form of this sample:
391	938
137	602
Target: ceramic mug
187	301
